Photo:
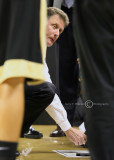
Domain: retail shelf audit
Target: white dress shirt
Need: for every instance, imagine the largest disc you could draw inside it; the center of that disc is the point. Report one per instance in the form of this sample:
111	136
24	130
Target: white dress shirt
56	109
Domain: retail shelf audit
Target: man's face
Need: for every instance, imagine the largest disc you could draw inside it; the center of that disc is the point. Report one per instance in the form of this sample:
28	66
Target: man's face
55	27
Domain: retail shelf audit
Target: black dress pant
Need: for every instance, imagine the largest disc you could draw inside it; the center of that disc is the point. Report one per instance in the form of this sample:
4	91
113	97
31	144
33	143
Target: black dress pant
37	98
94	32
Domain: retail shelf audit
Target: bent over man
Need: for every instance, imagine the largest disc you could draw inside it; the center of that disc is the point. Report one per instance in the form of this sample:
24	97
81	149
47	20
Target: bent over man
36	96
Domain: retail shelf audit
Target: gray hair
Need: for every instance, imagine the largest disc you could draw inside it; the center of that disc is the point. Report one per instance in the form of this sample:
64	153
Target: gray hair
51	11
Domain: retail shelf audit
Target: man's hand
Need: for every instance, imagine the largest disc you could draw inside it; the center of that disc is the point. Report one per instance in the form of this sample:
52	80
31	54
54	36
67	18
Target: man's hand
76	136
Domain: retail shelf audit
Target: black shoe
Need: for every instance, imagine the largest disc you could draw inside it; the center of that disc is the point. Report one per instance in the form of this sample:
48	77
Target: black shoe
32	133
17	154
57	133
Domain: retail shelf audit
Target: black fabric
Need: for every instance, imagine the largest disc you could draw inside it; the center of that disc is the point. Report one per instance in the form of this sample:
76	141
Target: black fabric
94	32
19	30
67	68
76	112
70	108
79	116
7	150
37	98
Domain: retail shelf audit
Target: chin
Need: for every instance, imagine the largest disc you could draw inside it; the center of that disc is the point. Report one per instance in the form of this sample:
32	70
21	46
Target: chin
49	45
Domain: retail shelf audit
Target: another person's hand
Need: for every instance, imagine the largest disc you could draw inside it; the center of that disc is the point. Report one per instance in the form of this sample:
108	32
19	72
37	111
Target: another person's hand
76	136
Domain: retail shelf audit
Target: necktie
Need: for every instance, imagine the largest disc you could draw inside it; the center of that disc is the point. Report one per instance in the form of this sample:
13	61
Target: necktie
69	3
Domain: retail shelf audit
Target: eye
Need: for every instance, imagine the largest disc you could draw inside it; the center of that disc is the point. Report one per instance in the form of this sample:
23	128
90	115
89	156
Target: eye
54	26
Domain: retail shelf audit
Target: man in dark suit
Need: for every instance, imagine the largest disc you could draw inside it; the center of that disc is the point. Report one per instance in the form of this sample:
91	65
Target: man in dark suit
67	69
36	96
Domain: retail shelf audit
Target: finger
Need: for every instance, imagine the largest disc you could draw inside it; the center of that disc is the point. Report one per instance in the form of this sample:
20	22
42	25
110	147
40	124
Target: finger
81	139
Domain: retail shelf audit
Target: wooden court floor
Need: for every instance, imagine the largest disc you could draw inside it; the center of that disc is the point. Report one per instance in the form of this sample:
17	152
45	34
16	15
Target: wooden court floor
42	149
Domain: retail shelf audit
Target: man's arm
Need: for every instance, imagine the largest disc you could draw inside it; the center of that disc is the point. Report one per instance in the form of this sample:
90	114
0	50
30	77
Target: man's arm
58	113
